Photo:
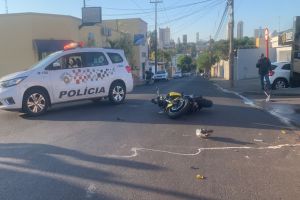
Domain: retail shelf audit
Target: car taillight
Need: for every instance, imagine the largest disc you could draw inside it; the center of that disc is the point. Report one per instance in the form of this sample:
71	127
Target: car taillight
128	69
271	73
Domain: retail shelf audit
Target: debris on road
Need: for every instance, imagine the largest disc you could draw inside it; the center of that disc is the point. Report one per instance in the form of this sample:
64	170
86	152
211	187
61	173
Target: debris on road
283	131
247	157
200	177
203	133
195	168
258	140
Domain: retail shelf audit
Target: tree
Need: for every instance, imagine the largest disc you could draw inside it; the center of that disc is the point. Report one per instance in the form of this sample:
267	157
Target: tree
124	42
205	61
185	63
162	56
151	35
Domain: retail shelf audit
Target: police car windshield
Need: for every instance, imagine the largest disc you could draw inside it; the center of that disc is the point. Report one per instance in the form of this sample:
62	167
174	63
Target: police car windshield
44	61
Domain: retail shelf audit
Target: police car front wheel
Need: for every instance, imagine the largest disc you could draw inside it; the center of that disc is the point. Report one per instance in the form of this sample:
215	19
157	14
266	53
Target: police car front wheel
35	102
117	93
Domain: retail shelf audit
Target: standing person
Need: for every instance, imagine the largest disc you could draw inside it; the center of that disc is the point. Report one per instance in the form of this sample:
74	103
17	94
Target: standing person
264	66
149	75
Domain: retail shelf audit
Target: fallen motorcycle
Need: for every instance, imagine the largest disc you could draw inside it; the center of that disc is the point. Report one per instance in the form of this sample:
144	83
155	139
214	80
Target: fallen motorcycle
176	104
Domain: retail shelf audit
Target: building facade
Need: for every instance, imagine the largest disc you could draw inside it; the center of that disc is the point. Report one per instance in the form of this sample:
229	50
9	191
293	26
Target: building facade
26	38
184	39
240	30
164	38
197	37
259	33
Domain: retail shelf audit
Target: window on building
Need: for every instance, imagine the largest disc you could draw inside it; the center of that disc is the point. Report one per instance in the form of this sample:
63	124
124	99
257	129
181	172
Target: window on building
115	57
94	59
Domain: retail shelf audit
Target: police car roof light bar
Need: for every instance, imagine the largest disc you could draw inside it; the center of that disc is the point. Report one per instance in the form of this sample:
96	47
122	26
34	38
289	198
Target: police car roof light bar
73	45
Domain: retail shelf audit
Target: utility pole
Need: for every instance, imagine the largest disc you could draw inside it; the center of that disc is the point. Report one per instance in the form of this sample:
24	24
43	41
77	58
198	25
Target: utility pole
6	7
84	3
231	38
207	70
155	43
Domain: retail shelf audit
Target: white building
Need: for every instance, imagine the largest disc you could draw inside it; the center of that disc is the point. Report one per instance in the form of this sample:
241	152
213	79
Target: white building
283	44
164	38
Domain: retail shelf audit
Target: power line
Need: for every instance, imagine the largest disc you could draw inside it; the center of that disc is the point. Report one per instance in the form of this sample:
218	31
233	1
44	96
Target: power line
221	22
161	10
186	16
211	6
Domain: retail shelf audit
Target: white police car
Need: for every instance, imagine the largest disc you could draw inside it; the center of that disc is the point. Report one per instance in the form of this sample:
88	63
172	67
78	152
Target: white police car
68	75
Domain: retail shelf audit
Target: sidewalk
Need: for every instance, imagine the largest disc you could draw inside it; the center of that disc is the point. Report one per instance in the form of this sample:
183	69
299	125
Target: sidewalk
284	102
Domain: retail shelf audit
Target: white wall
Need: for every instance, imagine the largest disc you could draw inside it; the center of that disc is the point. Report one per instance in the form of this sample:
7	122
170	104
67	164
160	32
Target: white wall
246	62
284	54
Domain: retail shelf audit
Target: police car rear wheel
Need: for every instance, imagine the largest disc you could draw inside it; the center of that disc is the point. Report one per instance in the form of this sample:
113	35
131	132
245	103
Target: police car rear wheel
117	93
35	102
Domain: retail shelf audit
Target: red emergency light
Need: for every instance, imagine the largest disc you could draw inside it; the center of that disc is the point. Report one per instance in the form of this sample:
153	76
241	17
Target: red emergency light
73	45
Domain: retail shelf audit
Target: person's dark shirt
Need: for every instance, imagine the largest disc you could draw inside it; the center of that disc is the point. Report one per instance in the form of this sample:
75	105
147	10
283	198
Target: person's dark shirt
263	65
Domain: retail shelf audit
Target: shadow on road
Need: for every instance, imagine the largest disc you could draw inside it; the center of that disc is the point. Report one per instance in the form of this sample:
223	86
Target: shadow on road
143	111
228	140
32	171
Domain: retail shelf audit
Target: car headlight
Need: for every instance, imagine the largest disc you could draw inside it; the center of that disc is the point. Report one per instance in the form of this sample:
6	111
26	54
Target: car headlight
12	82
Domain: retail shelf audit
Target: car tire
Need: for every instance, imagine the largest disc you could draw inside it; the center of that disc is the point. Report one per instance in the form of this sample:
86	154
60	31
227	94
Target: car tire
35	102
117	93
280	83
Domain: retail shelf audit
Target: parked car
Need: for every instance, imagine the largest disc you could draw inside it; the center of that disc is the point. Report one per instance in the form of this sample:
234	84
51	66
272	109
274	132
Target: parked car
161	75
280	75
65	76
185	74
177	75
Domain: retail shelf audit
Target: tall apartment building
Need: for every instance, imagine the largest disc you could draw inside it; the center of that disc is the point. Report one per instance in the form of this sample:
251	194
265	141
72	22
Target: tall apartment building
240	30
164	37
184	39
197	37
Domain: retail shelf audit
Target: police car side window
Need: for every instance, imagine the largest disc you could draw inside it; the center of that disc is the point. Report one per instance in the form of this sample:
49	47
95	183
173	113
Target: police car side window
67	62
94	59
115	57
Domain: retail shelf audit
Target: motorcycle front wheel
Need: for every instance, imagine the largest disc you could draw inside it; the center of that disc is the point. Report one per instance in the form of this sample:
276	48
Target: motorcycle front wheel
179	108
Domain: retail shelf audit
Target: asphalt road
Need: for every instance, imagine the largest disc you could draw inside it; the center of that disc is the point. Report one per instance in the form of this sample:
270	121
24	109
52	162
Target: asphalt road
99	151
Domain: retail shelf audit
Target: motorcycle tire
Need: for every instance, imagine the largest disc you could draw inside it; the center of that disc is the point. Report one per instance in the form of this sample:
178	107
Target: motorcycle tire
205	103
176	111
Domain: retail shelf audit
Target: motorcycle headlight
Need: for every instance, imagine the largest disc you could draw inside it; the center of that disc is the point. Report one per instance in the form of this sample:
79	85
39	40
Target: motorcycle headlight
12	82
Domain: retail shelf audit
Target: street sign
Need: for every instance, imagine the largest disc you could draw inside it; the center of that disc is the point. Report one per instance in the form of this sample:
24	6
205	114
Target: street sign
266	34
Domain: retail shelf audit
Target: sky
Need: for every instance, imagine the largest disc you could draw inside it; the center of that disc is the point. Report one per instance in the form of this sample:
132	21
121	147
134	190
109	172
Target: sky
182	17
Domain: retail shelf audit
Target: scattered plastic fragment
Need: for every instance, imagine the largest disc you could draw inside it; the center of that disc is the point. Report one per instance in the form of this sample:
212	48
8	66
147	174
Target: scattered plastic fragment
199	177
203	133
192	167
283	131
258	140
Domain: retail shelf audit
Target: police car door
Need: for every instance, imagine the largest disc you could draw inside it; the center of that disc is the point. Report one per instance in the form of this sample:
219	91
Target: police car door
68	78
99	74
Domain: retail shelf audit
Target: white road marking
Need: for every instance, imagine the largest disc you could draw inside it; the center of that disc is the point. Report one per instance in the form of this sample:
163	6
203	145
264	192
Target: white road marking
135	150
251	103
